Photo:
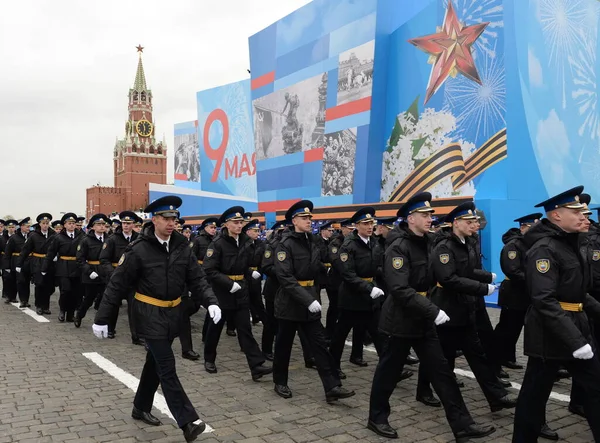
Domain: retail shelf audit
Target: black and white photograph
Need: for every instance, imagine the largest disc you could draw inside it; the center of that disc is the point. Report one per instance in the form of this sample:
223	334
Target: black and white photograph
338	163
187	159
355	73
291	119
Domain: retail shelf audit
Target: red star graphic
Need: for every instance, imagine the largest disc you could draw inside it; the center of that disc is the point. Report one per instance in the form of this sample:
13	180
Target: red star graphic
140	48
450	51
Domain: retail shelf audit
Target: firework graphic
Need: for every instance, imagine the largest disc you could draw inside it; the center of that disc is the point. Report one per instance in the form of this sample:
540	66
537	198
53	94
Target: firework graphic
561	21
481	11
480	109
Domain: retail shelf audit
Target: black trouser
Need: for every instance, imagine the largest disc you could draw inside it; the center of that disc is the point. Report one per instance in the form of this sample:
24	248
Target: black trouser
70	294
465	338
10	285
92	292
540	375
315	336
332	312
360	321
185	325
486	336
269	334
507	333
24	286
257	307
160	369
42	294
244	334
391	362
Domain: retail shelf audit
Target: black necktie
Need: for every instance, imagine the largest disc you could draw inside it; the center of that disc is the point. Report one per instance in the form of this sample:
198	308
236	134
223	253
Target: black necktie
166	246
127	238
71	235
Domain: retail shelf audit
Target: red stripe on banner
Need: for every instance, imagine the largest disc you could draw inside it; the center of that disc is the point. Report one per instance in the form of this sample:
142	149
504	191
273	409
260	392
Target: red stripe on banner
263	80
278	205
313	155
355	107
181	177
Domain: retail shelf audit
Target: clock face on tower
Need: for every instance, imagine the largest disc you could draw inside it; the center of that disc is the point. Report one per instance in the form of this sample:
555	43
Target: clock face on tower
144	128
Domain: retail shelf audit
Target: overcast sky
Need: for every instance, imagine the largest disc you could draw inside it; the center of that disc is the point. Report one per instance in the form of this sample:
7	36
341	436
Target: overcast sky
65	70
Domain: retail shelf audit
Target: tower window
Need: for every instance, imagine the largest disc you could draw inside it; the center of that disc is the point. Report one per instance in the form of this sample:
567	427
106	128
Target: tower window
160	150
135	96
134	148
151	149
143	96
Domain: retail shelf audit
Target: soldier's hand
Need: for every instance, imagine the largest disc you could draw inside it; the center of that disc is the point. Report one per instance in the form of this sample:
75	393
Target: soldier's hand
256	275
584	353
43	273
215	313
315	307
100	331
55	258
441	318
7	271
376	292
491	289
494	276
18	269
93	276
236	287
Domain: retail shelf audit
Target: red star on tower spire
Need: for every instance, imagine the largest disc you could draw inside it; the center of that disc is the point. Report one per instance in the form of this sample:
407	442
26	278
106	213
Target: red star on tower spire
450	51
139	48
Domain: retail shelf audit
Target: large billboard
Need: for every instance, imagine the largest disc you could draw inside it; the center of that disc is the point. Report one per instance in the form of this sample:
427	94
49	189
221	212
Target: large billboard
187	160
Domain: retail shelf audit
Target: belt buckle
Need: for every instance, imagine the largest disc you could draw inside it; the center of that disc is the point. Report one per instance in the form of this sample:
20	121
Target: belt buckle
580	307
170	304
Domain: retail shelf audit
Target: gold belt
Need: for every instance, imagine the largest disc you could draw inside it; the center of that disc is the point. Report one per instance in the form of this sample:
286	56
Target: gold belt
114	265
93	262
424	294
236	277
306	283
438	285
369	279
200	262
253	268
571	307
35	254
16	253
327	265
67	258
157	302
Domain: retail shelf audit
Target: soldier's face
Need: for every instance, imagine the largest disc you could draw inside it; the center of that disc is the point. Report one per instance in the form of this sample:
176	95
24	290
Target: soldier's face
302	223
383	230
252	233
1	229
187	233
585	225
127	227
137	228
235	226
346	230
44	224
11	230
365	229
327	233
463	227
25	228
57	229
570	220
70	226
99	227
211	230
419	222
475	226
164	226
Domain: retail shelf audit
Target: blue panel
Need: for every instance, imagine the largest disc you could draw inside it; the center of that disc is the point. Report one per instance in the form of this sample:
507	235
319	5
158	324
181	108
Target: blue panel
302	192
309	54
193	205
353	34
277	162
351	121
262	51
360	173
312	174
286	177
262	91
332	86
184	128
267	196
306	73
332	200
390	17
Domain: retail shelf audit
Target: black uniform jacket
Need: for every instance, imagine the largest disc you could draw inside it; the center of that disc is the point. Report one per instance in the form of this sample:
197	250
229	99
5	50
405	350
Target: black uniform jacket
513	290
65	249
112	250
201	243
88	258
34	250
359	264
458	282
3	240
556	272
225	259
592	246
148	269
407	312
323	246
255	251
14	245
297	259
268	266
334	279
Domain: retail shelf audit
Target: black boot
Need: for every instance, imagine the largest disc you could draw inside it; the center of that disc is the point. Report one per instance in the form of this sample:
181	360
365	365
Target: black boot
191	431
146	417
473	431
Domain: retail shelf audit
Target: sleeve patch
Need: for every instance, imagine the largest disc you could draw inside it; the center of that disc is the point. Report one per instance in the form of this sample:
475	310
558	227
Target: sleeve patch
104	245
397	262
512	255
334	250
344	256
444	258
595	255
267	254
191	245
79	247
542	265
281	256
121	260
209	252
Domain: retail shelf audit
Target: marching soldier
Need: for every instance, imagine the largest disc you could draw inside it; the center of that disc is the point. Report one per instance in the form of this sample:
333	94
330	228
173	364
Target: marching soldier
9	278
34	250
557	327
2	246
88	260
408	320
188	308
459	283
23	273
57	226
227	269
322	238
157	266
186	230
297	306
112	250
63	248
79	223
358	292
255	249
207	231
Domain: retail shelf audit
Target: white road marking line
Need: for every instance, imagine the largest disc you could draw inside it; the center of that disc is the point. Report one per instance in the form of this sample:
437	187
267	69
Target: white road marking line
131	382
469	374
31	313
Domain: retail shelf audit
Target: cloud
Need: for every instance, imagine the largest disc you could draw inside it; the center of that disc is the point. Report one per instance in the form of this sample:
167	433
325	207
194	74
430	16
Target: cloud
536	77
552	146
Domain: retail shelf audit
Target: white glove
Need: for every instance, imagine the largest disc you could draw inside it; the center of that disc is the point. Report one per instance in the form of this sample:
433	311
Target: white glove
18	269
55	258
376	292
236	287
256	275
491	289
441	318
100	331
43	273
7	271
494	276
315	307
93	276
584	353
215	313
